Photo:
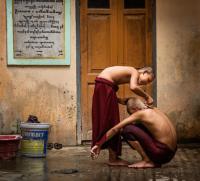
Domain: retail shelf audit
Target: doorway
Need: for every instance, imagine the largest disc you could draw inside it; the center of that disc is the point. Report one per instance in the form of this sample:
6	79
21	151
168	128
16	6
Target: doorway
112	32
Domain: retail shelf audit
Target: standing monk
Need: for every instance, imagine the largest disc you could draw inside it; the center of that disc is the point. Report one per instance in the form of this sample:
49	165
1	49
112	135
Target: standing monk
105	110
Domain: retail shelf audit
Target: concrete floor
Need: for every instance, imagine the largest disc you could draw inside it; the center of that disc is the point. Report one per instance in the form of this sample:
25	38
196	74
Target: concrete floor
185	167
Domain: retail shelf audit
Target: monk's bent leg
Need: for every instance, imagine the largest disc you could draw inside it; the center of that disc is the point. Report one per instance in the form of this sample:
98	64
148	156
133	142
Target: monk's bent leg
145	162
134	135
114	160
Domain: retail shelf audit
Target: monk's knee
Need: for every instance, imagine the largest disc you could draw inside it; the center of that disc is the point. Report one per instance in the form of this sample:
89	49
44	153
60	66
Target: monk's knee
127	133
127	130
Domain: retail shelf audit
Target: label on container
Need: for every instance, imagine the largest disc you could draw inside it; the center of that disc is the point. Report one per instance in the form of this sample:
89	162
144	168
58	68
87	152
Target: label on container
32	146
34	142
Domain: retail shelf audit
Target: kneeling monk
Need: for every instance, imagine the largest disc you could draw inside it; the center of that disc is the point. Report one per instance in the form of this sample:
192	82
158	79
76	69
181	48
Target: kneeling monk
148	131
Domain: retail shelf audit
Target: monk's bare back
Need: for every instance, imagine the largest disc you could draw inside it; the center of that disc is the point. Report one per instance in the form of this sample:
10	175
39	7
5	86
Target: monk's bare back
119	74
160	127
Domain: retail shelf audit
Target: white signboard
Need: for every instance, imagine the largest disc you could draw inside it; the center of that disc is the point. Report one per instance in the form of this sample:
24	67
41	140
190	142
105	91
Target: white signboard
39	29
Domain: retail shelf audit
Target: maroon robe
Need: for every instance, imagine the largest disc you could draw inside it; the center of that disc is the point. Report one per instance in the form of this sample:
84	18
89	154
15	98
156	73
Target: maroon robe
105	113
158	152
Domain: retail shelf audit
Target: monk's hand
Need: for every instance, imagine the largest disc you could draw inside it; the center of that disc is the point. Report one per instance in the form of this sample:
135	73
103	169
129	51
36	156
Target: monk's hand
149	100
95	150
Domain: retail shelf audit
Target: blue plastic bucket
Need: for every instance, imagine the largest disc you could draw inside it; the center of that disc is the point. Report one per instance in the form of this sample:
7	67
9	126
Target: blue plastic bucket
34	139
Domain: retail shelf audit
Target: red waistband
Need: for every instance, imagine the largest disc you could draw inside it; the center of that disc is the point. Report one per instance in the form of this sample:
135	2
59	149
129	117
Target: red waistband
108	82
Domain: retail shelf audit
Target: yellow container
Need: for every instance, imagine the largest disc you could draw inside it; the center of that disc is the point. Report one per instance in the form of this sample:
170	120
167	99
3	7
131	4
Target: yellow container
34	139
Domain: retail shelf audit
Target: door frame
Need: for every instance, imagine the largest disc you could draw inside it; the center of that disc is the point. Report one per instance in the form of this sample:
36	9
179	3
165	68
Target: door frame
78	65
78	74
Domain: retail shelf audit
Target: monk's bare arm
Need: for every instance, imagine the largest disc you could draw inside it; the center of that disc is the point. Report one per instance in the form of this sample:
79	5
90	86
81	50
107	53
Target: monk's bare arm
116	129
95	150
137	90
140	92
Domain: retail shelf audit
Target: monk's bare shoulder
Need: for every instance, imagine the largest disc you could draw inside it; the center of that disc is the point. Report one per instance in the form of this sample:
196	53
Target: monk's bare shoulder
143	114
148	115
118	74
114	69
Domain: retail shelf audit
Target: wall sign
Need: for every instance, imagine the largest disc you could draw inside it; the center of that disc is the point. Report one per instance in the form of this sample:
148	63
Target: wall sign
38	32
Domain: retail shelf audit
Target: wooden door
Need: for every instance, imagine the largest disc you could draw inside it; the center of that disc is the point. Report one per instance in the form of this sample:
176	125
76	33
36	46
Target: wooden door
113	32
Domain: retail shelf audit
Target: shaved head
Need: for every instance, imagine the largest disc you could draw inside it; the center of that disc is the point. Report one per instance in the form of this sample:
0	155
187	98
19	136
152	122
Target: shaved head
134	103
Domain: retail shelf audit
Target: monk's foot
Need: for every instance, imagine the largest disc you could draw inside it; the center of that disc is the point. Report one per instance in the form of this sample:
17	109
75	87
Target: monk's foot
144	164
118	162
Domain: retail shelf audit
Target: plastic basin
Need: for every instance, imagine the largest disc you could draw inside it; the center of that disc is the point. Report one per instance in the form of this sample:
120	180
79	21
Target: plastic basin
9	145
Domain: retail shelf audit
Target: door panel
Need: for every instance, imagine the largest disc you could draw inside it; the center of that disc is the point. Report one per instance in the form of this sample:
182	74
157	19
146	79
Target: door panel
134	34
99	43
111	35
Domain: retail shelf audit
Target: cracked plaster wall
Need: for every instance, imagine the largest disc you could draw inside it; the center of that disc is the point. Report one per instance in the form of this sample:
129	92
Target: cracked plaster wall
178	64
44	91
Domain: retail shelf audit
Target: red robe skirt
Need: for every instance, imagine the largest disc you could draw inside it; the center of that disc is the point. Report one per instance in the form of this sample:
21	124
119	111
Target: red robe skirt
105	114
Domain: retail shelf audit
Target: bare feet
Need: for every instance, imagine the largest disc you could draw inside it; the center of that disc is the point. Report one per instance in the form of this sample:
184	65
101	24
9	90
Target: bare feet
118	162
144	164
